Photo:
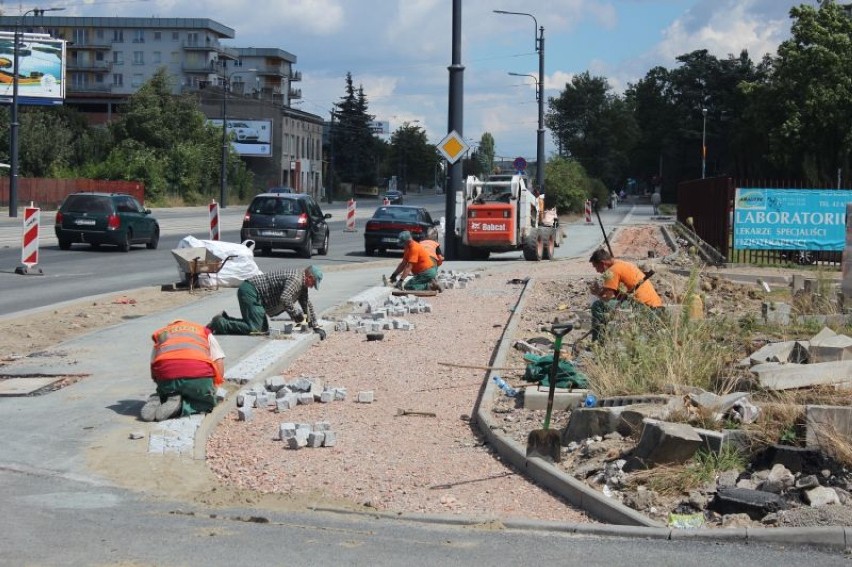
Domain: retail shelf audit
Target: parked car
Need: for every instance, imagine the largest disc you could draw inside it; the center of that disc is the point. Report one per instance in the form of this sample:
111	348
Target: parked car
382	229
243	132
292	221
105	218
393	196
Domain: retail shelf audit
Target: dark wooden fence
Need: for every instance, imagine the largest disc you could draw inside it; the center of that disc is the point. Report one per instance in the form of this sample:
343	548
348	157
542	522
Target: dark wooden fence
49	193
707	206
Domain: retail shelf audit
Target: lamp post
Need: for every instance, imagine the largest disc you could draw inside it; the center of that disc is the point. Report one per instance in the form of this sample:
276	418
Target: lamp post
704	143
13	125
539	47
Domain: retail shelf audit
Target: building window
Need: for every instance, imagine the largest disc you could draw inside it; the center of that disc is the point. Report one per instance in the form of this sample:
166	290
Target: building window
117	80
99	56
137	81
99	79
99	33
138	58
81	37
118	36
175	36
158	36
192	39
138	36
118	58
157	56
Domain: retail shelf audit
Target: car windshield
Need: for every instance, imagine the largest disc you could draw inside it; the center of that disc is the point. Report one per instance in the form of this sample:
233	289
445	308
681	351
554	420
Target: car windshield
87	204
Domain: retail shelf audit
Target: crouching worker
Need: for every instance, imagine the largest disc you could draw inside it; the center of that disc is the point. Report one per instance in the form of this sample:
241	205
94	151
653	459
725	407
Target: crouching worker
620	280
417	262
187	364
271	294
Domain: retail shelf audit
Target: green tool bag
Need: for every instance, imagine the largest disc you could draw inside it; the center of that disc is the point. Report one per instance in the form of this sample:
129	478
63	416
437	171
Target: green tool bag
567	376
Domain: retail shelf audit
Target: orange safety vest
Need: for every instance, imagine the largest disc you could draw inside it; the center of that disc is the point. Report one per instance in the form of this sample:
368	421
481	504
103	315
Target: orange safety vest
432	248
184	340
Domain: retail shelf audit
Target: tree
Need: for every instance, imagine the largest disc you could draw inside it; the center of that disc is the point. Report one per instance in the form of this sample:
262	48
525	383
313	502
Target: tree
353	143
415	158
568	185
486	152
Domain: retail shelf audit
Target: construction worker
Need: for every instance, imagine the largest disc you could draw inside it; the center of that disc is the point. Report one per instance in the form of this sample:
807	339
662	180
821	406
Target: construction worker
416	261
270	295
620	279
434	250
187	364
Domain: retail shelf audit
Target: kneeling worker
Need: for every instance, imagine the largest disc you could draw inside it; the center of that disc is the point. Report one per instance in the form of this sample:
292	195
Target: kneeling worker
416	261
620	280
272	294
187	364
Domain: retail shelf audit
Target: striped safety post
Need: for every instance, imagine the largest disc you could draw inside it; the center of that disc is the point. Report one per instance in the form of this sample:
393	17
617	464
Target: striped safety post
385	201
29	245
350	216
213	209
588	211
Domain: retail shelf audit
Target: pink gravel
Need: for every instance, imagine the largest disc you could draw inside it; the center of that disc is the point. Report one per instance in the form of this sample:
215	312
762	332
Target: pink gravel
382	461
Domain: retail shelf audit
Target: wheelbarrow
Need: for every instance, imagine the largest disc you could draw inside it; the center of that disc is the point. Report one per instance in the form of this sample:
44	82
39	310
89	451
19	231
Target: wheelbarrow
195	261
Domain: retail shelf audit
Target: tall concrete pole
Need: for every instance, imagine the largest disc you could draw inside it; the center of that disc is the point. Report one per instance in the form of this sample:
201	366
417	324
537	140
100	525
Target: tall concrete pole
539	158
455	122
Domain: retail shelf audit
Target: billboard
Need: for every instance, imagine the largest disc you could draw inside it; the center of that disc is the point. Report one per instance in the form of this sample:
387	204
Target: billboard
380	127
249	137
41	73
790	219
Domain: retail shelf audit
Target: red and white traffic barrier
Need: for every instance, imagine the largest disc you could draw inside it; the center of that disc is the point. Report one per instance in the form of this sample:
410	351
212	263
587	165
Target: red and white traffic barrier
588	211
213	209
29	244
350	216
385	201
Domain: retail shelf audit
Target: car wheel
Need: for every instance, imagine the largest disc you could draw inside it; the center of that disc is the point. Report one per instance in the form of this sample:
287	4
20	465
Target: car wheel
323	250
383	251
95	245
155	240
307	250
124	245
64	244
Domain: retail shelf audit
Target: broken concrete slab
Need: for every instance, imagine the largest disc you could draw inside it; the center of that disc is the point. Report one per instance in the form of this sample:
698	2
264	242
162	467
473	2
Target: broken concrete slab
797	459
776	312
633	418
663	442
785	351
715	440
838	347
755	503
535	398
824	424
777	376
825	333
589	422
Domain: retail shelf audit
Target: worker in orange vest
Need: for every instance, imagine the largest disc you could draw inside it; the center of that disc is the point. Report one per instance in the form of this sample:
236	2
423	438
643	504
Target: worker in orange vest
434	250
417	262
187	364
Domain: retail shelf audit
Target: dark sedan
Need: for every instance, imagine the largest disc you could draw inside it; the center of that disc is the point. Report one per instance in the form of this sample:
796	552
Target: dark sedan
393	197
382	230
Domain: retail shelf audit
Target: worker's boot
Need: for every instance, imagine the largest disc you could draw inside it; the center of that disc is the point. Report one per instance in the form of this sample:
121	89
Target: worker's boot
435	285
170	408
149	410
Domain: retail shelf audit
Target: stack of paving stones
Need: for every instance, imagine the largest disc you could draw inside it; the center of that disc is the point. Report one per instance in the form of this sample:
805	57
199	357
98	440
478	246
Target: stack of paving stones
282	396
452	279
298	435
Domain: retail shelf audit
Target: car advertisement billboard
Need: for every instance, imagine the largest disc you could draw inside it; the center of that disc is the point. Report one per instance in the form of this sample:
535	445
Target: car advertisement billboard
41	69
790	219
249	137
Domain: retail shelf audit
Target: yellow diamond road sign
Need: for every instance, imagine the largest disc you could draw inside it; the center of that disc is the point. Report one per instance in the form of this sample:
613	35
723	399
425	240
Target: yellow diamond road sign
452	147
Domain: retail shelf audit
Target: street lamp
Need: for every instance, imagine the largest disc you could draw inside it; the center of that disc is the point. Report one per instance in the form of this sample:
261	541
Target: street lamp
13	126
223	175
704	143
539	47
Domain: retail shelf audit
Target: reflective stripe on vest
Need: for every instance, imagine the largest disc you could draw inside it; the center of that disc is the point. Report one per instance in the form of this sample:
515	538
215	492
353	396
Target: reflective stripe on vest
183	340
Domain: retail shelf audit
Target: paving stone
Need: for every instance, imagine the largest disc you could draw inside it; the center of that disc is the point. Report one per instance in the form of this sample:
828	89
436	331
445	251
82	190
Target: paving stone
755	503
316	438
365	397
286	429
298	440
245	413
330	439
275	383
306	398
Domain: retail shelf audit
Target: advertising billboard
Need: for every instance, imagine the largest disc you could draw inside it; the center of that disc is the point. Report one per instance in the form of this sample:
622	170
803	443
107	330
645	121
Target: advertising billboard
249	137
41	73
790	219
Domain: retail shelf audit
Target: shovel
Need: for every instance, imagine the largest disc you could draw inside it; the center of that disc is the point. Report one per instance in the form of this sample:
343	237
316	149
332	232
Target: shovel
547	443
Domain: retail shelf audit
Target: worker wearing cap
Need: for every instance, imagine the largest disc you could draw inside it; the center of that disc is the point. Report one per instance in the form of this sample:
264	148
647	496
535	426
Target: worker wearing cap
620	280
417	262
269	295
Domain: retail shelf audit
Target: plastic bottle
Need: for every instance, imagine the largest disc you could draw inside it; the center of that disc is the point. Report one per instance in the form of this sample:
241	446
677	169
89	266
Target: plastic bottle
590	401
503	385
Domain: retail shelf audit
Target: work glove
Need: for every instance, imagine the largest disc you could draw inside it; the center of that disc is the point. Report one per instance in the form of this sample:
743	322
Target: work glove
321	332
300	318
392	279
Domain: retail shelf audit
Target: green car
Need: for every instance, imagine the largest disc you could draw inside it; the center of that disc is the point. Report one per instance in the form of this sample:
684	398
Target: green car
105	218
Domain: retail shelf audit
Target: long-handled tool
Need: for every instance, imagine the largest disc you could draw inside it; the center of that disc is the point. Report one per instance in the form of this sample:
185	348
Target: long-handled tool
575	349
603	230
547	443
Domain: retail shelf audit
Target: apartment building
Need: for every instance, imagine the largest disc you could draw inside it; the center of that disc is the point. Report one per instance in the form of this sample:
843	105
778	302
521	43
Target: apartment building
108	59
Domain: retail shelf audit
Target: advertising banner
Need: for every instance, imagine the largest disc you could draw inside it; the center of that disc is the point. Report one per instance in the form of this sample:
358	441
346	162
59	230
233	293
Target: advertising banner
790	219
41	73
249	137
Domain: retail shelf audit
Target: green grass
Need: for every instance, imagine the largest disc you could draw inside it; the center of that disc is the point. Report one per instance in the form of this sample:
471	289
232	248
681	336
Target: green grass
698	472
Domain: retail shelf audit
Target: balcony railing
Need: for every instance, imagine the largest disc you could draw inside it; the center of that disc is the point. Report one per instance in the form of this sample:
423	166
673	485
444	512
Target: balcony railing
295	93
92	66
89	88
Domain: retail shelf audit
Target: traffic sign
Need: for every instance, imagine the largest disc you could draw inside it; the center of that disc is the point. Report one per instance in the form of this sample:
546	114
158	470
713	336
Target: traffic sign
452	147
520	164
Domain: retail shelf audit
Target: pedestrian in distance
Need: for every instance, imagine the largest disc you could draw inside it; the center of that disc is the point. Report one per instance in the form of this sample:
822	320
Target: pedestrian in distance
417	262
187	365
620	280
269	295
655	202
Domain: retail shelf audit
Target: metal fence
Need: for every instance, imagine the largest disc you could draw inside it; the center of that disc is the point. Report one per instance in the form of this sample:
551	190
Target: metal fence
706	206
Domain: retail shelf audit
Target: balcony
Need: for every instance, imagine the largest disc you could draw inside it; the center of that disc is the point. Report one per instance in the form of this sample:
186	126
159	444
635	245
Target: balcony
89	88
90	45
296	76
197	68
89	66
295	93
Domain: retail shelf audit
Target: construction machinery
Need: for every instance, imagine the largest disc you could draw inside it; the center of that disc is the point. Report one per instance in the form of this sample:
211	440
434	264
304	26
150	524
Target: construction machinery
502	215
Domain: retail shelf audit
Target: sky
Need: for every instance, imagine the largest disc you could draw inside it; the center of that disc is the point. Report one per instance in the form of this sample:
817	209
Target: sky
399	50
